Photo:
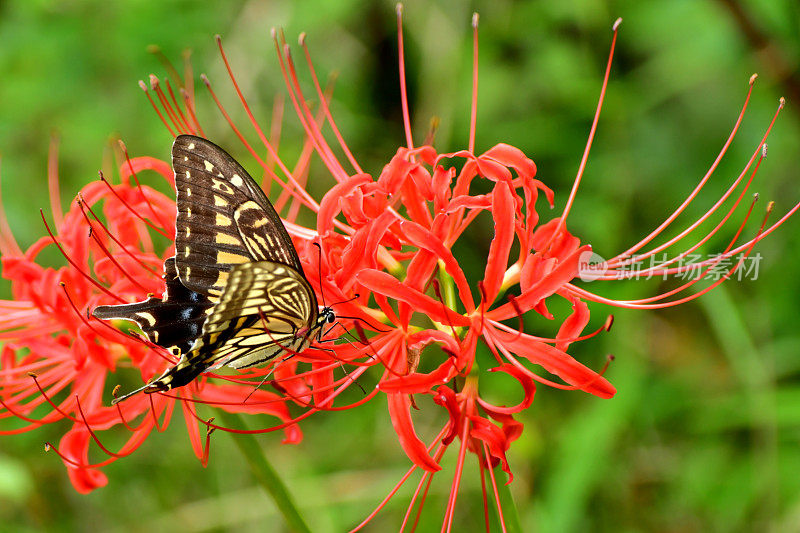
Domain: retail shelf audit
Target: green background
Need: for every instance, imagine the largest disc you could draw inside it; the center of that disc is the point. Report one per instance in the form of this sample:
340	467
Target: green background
704	433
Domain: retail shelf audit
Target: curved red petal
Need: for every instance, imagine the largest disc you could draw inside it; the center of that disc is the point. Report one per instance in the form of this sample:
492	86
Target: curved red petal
383	283
497	261
401	421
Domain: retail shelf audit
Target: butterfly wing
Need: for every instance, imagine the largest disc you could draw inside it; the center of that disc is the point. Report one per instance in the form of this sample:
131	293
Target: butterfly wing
224	218
265	309
173	321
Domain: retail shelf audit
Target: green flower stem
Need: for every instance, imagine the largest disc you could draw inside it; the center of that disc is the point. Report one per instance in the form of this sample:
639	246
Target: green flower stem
510	514
265	473
448	288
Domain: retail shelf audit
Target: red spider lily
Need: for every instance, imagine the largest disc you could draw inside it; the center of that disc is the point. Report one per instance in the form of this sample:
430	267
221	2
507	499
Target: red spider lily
386	251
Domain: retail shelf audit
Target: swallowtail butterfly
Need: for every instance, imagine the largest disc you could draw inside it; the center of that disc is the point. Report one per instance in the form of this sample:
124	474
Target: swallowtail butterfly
235	290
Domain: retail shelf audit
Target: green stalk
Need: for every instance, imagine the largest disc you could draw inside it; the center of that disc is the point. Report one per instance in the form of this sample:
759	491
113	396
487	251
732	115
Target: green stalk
265	473
510	514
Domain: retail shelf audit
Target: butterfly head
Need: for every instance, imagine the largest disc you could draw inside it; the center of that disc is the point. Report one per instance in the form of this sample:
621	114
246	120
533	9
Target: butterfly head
326	315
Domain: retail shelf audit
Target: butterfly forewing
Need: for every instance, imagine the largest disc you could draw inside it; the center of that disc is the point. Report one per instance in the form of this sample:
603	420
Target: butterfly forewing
224	218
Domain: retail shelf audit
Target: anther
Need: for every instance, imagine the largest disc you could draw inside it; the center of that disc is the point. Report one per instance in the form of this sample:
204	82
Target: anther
753	78
616	24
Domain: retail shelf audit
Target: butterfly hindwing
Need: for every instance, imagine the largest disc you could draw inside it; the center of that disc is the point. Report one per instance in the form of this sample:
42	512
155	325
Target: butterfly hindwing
224	218
173	321
265	309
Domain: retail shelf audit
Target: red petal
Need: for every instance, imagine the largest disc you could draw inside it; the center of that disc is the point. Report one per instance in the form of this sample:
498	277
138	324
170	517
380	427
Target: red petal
528	387
75	446
574	324
497	262
389	286
495	439
554	361
417	383
229	398
329	206
446	397
401	421
555	280
513	157
147	163
422	238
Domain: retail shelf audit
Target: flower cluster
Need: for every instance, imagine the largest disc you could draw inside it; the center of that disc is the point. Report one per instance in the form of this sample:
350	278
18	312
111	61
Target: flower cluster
385	250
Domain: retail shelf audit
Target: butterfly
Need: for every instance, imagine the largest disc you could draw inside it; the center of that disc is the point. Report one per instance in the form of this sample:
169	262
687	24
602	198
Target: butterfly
235	292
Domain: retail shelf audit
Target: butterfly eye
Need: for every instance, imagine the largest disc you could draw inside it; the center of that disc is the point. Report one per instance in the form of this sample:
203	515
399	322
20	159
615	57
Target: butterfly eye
331	317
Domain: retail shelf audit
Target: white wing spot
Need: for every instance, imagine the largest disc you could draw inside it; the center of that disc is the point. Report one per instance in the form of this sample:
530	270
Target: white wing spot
237	180
209	166
188	191
191	146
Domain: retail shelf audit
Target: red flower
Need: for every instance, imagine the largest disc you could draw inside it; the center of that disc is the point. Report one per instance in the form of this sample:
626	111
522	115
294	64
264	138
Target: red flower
386	252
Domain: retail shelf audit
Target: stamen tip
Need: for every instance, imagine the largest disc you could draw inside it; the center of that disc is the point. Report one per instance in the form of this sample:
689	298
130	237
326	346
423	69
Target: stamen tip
153	81
115	392
616	24
399	8
301	39
756	196
475	18
33	375
204	79
143	85
770	207
273	33
153	49
61	282
753	78
122	145
782	102
47	447
609	322
218	38
764	150
610	357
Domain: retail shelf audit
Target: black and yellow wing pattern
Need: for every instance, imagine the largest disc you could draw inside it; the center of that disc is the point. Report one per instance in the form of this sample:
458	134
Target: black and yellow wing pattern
235	269
173	321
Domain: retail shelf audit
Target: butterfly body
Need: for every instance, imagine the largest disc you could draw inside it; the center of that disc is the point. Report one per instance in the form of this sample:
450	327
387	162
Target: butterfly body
235	291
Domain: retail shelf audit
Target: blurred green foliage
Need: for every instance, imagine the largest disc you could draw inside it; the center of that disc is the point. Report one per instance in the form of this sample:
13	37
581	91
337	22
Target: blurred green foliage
704	433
